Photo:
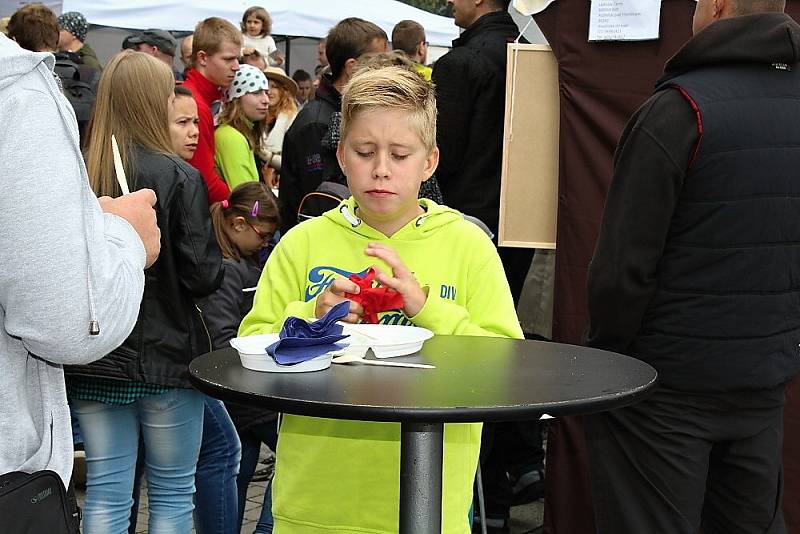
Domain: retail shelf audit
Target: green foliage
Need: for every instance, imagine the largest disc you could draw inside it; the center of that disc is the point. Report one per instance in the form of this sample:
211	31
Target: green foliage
439	7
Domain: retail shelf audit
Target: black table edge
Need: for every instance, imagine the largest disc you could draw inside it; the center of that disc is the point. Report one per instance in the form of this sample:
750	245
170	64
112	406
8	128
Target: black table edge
425	415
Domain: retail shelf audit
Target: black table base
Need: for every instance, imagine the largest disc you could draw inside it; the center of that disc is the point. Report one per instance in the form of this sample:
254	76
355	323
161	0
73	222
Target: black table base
421	451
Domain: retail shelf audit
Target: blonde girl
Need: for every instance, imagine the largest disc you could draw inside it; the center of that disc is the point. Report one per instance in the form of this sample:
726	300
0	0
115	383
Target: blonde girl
142	388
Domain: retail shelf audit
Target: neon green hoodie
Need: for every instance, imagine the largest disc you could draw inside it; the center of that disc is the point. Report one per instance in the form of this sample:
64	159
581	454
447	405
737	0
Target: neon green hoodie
344	476
233	156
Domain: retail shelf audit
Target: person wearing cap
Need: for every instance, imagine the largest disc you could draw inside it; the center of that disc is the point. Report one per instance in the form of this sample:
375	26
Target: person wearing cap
240	133
72	38
282	111
158	43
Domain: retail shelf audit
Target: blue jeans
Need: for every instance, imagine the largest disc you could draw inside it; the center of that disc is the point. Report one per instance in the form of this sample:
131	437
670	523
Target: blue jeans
171	427
252	438
216	509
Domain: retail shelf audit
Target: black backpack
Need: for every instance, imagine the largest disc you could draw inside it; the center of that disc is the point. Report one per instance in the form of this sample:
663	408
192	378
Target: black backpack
79	83
326	197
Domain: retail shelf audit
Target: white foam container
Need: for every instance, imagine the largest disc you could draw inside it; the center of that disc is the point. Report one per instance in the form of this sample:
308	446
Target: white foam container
253	355
386	341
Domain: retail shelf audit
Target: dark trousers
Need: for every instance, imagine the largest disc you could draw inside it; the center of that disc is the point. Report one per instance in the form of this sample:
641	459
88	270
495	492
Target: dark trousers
511	453
680	461
516	264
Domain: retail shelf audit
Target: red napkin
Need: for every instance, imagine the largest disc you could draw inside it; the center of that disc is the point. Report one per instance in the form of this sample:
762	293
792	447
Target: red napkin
374	299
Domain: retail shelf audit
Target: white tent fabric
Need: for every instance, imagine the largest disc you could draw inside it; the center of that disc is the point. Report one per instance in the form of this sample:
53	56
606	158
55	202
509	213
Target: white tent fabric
308	18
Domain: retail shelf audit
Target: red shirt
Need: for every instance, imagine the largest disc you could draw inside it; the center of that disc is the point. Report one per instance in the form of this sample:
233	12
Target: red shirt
205	93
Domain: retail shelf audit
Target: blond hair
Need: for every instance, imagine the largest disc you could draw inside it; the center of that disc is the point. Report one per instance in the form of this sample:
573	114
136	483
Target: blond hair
211	33
132	103
387	88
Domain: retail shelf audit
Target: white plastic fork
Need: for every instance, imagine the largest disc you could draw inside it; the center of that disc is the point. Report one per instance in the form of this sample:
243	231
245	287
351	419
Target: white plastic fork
354	358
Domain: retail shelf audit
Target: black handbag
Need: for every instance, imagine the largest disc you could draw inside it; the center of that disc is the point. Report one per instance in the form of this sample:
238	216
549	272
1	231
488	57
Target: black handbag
36	502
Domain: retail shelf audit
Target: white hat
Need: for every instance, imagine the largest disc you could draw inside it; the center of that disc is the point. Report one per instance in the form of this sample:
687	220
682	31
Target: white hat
249	79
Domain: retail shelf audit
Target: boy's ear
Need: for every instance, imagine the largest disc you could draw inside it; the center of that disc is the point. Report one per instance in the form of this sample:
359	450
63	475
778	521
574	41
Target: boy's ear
431	163
201	58
340	157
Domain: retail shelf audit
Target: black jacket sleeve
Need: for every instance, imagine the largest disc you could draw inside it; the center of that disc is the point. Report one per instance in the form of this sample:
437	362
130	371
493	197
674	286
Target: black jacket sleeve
199	259
222	308
454	105
650	166
290	195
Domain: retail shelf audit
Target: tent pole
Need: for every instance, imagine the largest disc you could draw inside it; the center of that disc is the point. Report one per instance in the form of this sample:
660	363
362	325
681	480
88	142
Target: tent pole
288	55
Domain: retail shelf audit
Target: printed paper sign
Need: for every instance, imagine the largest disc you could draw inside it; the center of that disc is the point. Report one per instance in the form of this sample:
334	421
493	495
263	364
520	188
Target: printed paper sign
624	20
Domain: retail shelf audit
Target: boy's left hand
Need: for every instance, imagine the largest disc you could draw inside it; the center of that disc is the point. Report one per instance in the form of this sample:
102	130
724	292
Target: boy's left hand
402	279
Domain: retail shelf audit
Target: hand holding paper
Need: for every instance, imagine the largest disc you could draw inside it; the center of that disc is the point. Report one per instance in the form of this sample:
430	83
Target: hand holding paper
137	209
336	294
401	280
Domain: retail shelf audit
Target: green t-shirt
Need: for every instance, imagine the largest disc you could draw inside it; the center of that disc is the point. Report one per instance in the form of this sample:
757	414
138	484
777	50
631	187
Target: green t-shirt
234	158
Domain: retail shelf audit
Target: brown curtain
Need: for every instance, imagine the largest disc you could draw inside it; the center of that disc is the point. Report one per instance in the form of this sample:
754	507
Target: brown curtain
601	85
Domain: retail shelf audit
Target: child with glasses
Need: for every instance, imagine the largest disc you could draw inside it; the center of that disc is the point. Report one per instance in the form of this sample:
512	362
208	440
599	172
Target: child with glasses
244	224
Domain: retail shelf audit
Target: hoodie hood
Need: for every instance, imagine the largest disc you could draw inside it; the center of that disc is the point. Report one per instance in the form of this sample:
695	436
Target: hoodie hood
435	217
768	38
16	61
17	64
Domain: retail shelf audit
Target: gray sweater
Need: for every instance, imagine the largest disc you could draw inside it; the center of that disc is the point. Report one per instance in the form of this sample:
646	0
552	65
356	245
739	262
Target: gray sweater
64	263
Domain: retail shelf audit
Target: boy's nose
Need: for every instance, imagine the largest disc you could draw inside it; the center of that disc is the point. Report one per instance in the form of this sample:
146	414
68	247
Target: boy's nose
381	167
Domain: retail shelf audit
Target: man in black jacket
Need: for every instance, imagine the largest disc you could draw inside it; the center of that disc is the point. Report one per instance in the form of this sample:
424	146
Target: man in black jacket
307	162
470	96
697	272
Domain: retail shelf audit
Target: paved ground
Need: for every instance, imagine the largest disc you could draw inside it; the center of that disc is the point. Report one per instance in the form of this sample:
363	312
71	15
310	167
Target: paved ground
526	519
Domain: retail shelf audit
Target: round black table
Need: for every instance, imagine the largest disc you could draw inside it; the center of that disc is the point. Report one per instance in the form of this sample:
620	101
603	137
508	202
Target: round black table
476	379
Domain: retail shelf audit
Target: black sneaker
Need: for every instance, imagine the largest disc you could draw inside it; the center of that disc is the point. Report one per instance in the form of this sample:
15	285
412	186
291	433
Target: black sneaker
528	487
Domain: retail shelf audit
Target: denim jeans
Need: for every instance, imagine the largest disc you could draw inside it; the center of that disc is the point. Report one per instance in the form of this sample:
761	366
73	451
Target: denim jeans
171	426
252	438
216	509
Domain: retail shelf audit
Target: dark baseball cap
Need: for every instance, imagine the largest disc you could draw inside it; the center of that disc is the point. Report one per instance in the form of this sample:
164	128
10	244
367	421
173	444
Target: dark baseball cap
160	38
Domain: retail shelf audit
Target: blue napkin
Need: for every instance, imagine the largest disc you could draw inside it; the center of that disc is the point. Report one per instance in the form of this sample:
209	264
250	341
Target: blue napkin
301	341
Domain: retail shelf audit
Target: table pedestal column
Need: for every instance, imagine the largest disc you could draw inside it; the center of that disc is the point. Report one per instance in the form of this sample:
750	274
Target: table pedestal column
421	448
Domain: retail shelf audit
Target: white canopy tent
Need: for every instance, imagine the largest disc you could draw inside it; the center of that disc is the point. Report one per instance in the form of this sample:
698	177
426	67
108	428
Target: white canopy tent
302	18
112	20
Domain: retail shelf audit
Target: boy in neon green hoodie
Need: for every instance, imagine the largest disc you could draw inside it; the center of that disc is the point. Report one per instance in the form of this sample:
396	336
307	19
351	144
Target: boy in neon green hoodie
343	476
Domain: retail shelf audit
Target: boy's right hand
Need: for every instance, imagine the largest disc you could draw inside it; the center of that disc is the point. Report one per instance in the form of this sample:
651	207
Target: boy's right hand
334	295
137	209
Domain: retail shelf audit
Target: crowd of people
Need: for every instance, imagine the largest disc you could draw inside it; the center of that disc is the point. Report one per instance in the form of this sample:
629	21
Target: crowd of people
107	297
